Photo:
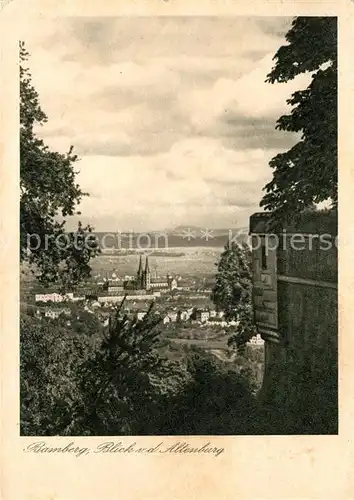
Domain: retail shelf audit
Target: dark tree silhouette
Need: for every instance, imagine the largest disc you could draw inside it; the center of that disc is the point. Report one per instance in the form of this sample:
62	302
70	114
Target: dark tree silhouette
232	291
307	173
48	190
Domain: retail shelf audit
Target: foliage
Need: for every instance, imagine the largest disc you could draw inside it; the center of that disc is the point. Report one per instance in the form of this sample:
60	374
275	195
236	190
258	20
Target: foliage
232	291
50	359
123	383
80	383
118	384
85	323
48	190
213	402
307	173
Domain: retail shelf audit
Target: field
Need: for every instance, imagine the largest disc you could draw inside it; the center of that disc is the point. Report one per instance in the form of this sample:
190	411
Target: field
184	261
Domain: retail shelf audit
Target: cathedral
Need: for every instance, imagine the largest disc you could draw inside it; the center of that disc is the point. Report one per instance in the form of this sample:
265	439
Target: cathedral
144	280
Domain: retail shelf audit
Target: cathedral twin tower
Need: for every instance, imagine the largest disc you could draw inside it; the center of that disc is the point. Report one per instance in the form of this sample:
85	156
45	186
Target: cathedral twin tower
143	277
144	281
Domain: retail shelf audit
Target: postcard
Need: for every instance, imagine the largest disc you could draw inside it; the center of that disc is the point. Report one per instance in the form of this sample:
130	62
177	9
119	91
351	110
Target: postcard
176	280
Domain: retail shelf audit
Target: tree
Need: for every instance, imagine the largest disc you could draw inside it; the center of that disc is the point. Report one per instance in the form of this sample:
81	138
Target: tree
48	190
214	401
307	173
124	383
84	322
80	383
51	356
232	291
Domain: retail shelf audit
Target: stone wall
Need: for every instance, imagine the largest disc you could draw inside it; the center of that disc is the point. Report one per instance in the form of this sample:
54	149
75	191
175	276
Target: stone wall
301	344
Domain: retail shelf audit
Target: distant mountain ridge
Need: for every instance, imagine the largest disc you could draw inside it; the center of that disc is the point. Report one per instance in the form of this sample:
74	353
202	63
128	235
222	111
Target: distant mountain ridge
201	230
181	236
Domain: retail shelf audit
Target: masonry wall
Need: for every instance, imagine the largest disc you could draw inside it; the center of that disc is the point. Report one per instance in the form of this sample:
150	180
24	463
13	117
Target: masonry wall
300	385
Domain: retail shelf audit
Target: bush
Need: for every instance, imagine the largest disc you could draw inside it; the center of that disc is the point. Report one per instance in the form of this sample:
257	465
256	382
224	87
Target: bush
214	401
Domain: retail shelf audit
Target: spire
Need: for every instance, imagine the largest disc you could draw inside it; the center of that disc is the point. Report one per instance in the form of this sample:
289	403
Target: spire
140	266
147	269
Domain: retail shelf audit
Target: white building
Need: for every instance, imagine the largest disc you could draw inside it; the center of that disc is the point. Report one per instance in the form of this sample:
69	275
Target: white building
173	316
166	320
53	297
113	299
110	299
256	340
55	313
185	315
202	315
214	321
78	298
105	322
115	288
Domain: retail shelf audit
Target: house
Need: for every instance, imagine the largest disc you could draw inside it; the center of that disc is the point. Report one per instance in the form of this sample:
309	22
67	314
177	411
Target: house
105	321
202	315
109	299
141	315
173	316
256	340
215	321
54	313
53	297
114	288
50	313
166	320
78	298
185	315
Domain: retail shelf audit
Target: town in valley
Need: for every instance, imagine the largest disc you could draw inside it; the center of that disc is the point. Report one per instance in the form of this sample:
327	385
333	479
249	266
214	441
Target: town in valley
139	279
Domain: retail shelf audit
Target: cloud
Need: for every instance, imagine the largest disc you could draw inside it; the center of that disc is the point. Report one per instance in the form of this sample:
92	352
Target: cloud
107	40
171	117
247	96
239	132
135	117
196	178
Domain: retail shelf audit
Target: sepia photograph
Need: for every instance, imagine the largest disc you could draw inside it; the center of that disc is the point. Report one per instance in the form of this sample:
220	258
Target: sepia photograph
178	226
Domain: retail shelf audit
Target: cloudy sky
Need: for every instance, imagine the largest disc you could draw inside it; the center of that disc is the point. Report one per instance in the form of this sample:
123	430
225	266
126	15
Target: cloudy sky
170	116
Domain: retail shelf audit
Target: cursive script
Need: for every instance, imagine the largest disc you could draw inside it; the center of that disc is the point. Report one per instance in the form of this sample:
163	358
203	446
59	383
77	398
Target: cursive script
69	449
180	447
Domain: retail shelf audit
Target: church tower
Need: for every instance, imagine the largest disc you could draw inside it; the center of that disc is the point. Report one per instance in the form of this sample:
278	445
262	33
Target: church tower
139	276
147	274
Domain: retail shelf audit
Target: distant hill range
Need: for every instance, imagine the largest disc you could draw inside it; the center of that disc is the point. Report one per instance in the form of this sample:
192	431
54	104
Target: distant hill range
216	232
181	236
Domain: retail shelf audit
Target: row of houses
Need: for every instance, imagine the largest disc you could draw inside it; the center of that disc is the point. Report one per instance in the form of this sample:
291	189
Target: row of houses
106	298
53	312
256	340
56	297
193	314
